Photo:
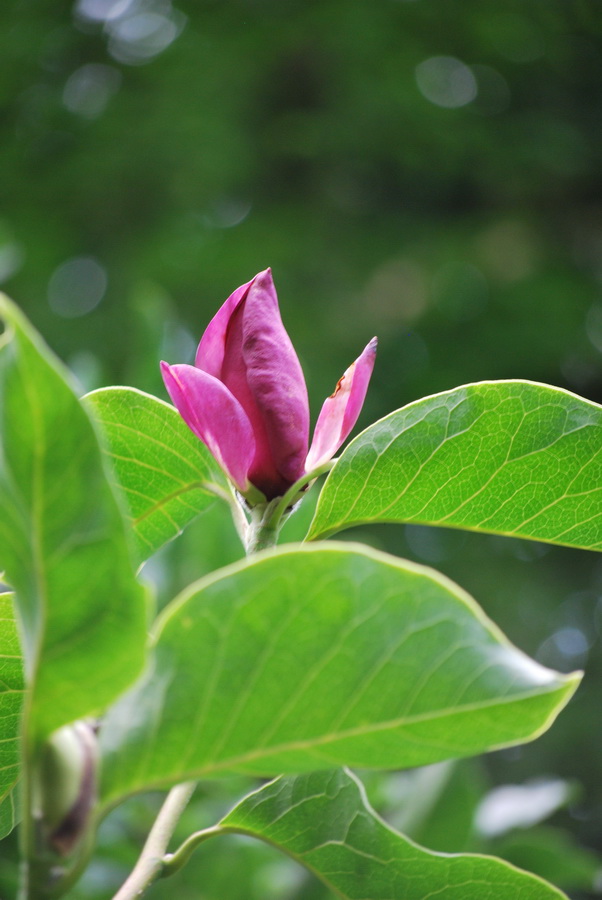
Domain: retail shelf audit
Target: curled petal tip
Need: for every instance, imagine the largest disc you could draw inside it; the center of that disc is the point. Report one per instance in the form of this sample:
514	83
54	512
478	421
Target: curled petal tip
212	347
341	410
263	280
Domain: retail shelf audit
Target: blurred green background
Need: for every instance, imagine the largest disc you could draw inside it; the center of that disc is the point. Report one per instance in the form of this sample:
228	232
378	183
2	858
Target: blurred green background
425	170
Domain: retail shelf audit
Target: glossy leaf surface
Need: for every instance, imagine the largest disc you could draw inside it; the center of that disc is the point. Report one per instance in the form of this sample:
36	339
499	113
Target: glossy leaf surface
325	822
508	457
9	816
314	656
11	700
63	542
168	475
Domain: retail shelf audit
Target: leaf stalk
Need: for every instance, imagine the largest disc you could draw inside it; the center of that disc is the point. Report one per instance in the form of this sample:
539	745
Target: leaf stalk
151	861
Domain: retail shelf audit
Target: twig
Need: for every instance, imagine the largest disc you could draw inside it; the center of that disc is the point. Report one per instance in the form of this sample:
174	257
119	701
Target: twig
150	862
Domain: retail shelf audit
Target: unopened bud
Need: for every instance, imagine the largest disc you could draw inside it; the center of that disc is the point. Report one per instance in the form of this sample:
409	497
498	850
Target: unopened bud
66	787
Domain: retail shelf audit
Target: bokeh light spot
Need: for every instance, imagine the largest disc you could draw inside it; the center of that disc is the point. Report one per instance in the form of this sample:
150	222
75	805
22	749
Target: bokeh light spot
138	38
520	806
77	286
509	250
137	30
102	10
396	292
227	212
446	81
571	642
89	89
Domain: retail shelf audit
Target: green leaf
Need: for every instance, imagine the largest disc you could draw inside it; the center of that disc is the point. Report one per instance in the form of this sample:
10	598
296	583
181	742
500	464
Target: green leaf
168	475
11	701
308	657
63	542
325	822
9	814
507	457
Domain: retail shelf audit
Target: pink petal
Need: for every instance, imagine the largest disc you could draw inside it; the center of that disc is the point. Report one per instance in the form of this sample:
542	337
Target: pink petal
215	416
275	378
341	410
263	472
211	349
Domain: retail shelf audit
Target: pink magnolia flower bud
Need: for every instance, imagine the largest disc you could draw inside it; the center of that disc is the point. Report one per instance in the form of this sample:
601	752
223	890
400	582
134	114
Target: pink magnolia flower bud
246	398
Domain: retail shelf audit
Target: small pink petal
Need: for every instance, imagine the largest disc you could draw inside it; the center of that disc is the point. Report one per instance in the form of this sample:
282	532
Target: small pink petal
215	416
341	410
212	347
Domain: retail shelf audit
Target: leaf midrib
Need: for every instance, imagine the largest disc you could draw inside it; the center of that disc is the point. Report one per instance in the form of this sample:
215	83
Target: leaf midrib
210	768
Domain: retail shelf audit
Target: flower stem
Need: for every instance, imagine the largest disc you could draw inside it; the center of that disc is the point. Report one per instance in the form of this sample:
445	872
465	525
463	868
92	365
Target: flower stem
267	518
295	492
150	863
263	528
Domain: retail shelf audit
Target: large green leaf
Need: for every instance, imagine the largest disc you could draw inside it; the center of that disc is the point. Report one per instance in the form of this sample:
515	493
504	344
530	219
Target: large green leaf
308	657
168	475
509	457
63	542
11	701
9	813
325	822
